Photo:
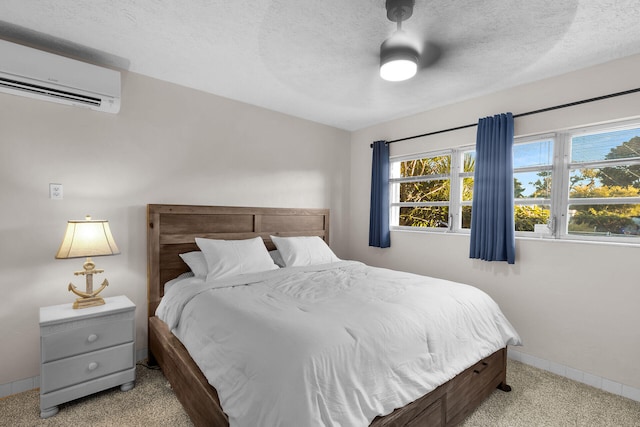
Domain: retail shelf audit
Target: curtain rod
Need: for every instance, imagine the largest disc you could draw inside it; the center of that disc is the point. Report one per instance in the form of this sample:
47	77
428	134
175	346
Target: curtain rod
542	110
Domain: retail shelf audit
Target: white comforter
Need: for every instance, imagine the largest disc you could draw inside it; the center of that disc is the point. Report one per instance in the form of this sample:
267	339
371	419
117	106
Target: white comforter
330	345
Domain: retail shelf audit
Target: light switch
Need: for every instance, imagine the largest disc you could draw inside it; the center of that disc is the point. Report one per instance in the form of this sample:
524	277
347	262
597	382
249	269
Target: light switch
55	191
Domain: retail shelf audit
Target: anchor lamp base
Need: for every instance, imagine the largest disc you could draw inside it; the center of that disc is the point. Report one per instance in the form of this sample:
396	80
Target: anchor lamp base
89	298
88	302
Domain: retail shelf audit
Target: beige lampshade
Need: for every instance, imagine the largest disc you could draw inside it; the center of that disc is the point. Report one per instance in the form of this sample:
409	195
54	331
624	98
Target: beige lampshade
87	238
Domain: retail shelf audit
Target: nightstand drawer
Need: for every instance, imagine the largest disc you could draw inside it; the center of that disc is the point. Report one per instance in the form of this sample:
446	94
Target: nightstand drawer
74	370
86	338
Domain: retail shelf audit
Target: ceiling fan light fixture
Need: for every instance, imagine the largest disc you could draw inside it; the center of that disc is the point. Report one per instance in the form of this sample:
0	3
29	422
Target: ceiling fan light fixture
398	59
398	54
398	70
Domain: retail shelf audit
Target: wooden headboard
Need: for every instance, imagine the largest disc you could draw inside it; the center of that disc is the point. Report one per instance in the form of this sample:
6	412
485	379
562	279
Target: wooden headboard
172	229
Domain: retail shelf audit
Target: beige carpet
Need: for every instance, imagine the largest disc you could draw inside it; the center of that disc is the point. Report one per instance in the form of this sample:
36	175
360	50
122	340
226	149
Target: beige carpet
150	403
538	398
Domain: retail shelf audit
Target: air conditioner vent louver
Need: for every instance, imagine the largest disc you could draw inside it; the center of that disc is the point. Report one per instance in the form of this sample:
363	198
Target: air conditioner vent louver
49	92
41	75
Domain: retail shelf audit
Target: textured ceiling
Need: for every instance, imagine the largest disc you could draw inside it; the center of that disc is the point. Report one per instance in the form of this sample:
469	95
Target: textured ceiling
319	59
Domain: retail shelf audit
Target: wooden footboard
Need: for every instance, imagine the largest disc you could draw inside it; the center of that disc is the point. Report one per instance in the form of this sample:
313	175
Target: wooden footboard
448	405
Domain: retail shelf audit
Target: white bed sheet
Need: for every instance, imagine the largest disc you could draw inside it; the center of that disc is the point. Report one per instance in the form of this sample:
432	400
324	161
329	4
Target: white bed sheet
330	345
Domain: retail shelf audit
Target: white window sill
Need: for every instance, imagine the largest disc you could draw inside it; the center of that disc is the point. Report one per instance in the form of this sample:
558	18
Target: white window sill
520	237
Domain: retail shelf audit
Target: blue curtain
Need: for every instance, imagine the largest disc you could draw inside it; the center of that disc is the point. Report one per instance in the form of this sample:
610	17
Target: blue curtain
492	224
379	235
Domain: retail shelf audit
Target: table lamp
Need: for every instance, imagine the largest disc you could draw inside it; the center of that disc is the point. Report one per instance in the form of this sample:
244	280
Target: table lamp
87	238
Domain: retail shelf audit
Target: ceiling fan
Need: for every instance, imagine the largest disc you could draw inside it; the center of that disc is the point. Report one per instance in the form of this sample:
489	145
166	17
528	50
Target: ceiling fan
400	54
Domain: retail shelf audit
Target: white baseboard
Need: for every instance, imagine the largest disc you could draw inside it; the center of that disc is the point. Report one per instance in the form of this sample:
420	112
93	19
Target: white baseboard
19	386
576	375
34	382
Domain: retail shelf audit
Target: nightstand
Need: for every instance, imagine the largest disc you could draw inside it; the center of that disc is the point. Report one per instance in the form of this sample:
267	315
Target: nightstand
84	351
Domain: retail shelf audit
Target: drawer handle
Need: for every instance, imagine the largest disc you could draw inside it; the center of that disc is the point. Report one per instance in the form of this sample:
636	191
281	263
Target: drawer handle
92	337
480	368
93	366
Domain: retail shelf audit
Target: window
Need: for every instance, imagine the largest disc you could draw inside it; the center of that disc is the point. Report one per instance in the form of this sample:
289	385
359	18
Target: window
421	191
465	184
603	184
578	184
532	179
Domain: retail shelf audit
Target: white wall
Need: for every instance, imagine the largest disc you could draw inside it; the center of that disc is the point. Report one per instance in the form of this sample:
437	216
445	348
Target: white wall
574	304
168	144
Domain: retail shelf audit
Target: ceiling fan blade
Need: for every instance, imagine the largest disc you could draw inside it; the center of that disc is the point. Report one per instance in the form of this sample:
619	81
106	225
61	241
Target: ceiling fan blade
429	54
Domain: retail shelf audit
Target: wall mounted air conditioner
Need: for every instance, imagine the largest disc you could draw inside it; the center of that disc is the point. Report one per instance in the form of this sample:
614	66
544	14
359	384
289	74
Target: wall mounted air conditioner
36	74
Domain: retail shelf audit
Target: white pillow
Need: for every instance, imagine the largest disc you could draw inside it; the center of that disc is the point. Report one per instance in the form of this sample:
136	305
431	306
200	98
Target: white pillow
304	250
226	258
196	262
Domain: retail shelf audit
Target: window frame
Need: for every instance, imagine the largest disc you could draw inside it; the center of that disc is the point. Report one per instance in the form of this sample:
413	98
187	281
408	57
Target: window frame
394	189
555	174
460	176
561	216
559	200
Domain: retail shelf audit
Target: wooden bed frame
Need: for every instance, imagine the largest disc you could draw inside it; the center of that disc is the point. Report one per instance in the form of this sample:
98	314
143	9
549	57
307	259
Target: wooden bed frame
171	230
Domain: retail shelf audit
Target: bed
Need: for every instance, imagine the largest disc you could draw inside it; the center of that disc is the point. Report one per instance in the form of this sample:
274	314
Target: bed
172	230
